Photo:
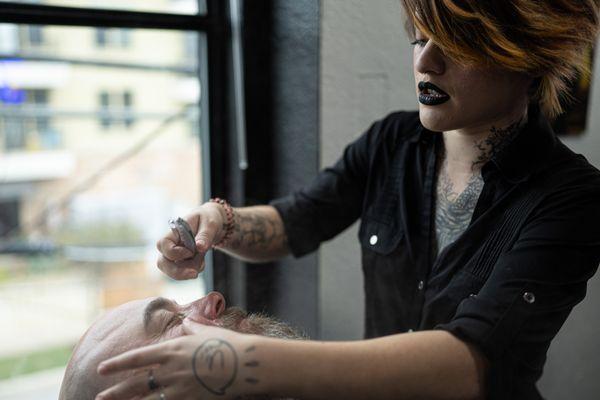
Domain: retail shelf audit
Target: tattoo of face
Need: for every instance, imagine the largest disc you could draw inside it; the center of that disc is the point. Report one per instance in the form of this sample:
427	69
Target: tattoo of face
215	365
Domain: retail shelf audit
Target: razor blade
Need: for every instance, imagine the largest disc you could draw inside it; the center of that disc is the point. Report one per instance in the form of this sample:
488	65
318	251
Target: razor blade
184	233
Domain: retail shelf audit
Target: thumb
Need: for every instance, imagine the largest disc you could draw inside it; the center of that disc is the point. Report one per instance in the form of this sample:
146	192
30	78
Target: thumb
206	236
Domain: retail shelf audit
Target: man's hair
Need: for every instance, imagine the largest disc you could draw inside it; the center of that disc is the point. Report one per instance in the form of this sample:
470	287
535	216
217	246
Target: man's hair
550	40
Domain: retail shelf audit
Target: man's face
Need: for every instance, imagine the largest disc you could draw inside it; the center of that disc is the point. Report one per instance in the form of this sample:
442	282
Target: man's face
143	322
478	96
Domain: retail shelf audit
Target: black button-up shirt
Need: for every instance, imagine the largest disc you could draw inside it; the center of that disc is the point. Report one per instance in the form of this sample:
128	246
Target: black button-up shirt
506	285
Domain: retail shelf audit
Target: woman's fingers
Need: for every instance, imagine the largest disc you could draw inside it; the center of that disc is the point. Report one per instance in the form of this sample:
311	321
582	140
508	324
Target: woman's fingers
136	359
169	246
187	269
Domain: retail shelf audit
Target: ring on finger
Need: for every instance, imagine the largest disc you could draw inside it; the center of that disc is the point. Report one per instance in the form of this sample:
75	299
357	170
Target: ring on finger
152	383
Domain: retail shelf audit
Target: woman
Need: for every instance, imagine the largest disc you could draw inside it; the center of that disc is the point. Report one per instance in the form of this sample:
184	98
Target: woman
479	228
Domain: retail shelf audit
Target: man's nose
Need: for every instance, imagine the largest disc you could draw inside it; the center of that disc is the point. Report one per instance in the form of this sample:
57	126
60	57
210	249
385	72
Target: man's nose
430	60
212	305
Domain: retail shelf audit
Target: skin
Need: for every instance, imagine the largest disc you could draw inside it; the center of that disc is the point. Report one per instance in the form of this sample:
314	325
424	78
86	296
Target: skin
486	108
124	328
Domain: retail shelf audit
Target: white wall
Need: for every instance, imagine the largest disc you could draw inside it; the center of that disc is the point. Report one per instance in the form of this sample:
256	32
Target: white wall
366	71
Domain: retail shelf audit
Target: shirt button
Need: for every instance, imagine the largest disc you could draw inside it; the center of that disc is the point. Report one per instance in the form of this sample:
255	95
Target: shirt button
421	285
410	331
529	297
373	240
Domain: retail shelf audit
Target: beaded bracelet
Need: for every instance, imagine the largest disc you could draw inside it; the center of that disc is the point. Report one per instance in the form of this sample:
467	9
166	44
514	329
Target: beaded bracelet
229	224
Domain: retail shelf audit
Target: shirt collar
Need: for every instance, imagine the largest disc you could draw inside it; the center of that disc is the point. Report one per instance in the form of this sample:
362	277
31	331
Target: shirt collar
529	149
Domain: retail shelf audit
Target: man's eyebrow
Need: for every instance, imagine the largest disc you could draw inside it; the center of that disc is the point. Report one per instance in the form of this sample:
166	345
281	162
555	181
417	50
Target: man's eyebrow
160	303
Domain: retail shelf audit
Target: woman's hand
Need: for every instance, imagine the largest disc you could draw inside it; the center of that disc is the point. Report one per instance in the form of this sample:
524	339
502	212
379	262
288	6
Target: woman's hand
209	363
179	262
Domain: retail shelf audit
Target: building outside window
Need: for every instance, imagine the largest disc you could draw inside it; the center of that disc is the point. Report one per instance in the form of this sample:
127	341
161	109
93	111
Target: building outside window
116	109
80	209
113	37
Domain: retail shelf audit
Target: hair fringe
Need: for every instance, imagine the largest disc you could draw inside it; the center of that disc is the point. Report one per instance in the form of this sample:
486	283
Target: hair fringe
549	40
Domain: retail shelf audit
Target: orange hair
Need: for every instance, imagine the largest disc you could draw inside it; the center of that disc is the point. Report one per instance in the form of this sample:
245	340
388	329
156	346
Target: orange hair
546	39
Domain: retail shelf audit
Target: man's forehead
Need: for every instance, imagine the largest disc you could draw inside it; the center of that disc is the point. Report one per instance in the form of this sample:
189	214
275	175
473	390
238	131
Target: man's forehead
121	320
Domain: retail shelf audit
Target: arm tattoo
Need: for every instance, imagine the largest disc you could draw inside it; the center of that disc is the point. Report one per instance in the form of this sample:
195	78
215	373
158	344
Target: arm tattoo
256	231
215	366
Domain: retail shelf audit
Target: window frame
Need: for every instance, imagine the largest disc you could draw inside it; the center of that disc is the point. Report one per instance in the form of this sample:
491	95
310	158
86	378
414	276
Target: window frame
214	28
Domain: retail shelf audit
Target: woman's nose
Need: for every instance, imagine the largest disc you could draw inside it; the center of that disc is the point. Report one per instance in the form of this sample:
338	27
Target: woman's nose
212	305
429	59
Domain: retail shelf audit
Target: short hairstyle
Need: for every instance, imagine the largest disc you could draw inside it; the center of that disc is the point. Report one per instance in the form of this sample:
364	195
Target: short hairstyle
550	40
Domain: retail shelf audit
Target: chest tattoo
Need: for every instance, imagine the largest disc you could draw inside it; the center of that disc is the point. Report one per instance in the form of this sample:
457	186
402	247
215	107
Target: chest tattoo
454	210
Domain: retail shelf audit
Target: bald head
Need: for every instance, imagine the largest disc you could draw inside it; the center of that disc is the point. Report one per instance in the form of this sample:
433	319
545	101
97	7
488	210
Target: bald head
142	322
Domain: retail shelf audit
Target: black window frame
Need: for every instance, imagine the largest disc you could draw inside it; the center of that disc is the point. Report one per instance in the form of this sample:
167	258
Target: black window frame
215	110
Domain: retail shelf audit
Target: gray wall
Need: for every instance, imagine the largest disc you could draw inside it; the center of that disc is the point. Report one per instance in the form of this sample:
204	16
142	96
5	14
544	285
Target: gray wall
366	71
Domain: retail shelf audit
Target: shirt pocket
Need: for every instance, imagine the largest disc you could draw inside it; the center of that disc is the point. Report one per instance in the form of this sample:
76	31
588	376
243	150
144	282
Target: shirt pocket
380	237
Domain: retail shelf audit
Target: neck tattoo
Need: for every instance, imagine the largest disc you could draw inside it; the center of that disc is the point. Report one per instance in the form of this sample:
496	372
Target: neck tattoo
454	209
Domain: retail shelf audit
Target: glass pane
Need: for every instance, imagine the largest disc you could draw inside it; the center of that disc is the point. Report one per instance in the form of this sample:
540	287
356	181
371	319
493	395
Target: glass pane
163	6
99	148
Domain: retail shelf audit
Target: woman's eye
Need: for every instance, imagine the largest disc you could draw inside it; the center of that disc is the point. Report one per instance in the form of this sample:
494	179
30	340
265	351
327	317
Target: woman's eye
419	42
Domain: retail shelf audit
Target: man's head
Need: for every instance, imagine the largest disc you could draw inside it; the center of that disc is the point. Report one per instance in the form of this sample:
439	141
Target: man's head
143	322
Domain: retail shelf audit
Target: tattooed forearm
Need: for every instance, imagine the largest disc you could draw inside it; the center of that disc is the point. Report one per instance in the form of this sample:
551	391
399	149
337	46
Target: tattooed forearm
255	230
216	366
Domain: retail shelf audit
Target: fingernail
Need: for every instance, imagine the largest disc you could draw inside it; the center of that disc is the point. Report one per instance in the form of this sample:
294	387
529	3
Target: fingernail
202	243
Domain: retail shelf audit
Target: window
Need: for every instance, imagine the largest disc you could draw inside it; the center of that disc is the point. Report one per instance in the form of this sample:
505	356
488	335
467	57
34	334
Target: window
89	144
25	122
119	38
31	36
116	108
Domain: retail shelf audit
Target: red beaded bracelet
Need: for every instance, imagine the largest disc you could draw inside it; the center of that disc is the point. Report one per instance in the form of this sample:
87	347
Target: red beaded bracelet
229	224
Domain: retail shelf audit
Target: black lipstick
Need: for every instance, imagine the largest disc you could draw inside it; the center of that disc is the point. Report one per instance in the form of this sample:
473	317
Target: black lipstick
431	95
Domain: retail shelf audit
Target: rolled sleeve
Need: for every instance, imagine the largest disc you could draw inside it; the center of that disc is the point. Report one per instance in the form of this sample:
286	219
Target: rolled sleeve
533	287
331	203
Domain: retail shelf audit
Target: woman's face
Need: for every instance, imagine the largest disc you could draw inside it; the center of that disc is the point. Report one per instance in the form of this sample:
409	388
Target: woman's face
468	98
